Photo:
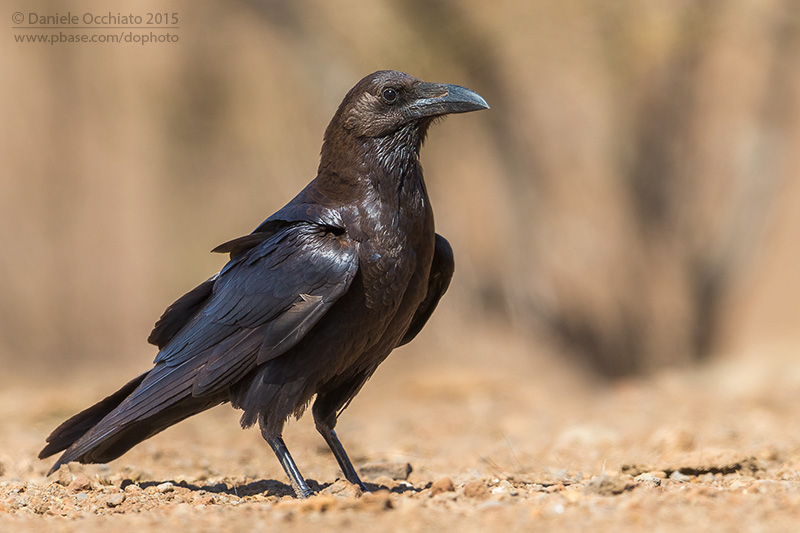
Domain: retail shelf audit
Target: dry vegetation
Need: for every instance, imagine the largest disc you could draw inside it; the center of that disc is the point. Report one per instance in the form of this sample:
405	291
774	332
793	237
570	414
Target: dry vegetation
629	207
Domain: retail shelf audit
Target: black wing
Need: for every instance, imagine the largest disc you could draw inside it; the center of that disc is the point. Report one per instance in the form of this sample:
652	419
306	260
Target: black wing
442	269
261	304
184	308
264	301
180	312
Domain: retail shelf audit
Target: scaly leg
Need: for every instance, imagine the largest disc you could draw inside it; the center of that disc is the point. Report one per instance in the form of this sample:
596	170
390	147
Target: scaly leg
301	488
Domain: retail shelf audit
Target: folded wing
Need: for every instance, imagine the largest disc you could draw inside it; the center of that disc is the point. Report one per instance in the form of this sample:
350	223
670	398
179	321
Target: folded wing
260	305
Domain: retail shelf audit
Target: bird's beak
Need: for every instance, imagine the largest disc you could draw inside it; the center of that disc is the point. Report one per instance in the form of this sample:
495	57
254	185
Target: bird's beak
438	99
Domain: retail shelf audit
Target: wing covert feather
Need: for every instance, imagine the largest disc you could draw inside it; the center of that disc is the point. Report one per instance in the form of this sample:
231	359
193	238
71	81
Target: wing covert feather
262	303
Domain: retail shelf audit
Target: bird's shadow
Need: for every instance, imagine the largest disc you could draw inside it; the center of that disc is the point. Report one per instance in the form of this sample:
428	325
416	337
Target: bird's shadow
264	487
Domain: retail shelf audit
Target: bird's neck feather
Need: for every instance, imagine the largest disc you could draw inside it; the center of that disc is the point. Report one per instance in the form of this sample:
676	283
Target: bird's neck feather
388	166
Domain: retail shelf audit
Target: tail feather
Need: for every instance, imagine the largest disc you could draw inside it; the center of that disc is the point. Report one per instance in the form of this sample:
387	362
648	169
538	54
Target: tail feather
71	430
121	439
134	413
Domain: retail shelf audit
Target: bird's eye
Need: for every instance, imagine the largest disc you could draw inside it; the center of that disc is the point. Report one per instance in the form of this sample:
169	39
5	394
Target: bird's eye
389	95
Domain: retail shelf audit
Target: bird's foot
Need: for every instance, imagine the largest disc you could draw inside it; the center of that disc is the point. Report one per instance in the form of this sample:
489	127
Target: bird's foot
358	483
302	494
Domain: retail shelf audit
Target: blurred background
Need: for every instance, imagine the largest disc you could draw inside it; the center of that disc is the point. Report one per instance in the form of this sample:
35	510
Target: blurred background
630	202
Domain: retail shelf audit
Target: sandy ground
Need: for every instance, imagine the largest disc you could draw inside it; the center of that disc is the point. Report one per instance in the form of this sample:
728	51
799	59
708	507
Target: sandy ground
498	437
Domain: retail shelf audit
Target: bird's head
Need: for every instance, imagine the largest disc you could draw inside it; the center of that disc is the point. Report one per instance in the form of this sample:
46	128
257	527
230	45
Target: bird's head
382	122
387	101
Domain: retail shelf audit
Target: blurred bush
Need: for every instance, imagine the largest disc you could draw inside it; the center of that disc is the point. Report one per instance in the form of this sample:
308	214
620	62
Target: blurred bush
637	172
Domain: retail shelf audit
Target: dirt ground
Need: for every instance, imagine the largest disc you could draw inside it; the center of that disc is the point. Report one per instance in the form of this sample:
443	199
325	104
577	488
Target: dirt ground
498	437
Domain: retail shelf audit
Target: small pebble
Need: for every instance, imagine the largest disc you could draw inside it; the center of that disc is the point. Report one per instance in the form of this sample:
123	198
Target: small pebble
376	501
476	489
342	488
65	477
648	479
607	485
115	499
681	478
708	477
80	483
165	487
444	484
393	470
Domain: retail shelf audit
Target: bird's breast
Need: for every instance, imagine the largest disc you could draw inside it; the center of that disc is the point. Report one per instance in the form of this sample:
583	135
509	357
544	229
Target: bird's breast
394	262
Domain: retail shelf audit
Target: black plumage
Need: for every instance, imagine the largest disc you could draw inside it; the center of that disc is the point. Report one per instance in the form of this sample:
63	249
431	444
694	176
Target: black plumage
311	302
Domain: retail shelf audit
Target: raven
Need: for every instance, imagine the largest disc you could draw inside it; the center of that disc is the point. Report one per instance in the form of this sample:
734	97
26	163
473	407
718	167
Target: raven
311	302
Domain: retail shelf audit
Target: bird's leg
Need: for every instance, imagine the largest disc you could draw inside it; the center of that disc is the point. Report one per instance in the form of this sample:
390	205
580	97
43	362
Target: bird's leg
301	488
325	429
341	457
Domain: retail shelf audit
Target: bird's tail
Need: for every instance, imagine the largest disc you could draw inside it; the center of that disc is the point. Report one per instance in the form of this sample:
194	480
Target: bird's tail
71	430
108	429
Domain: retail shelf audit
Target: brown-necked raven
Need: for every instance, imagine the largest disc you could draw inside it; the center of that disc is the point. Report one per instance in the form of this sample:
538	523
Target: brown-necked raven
311	302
